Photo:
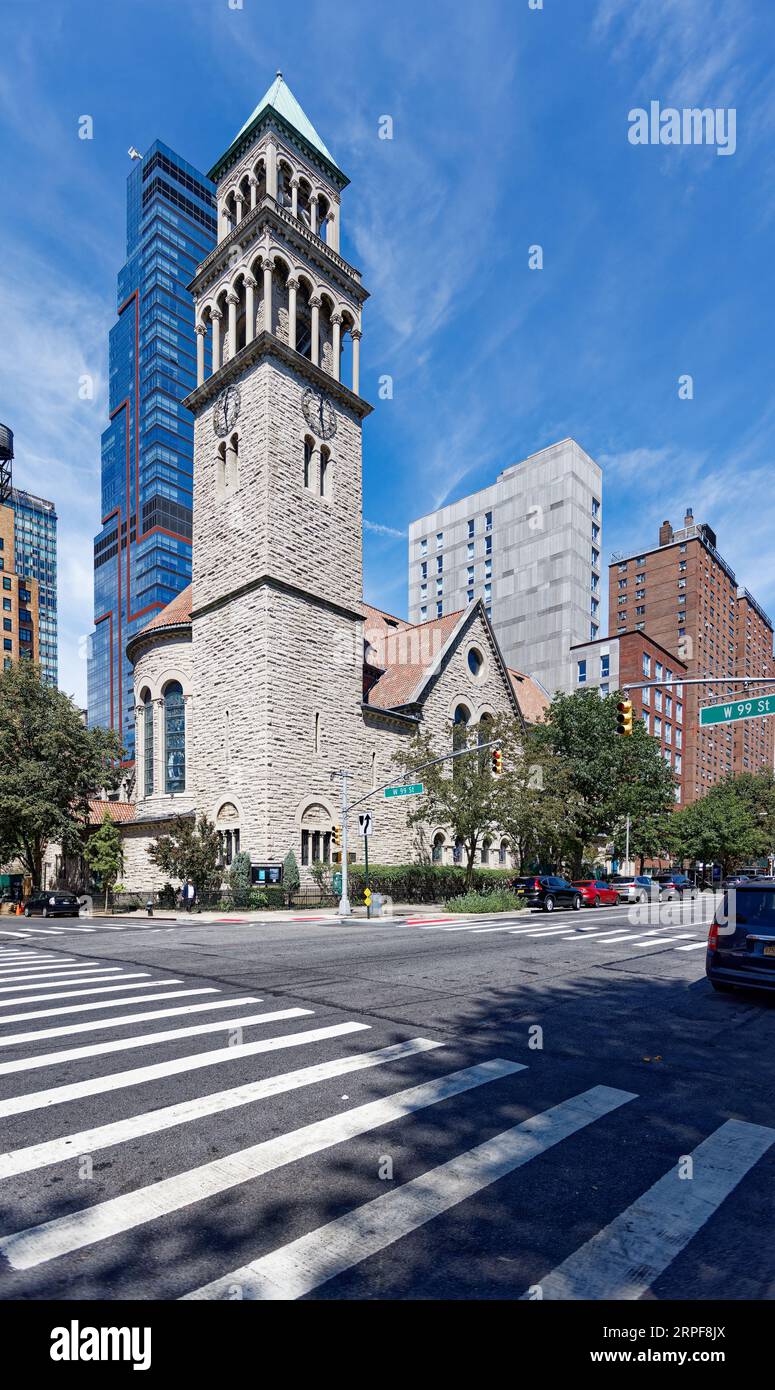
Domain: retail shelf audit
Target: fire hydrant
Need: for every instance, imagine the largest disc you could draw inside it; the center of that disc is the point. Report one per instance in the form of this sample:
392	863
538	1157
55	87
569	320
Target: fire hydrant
149	907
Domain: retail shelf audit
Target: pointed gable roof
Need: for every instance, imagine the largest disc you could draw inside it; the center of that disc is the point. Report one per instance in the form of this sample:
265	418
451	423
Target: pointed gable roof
280	99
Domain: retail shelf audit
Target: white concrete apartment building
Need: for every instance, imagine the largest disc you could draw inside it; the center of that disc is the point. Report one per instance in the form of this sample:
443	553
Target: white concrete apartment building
530	546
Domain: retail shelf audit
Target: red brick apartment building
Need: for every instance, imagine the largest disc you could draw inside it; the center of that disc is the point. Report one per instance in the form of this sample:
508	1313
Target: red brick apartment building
686	595
631	657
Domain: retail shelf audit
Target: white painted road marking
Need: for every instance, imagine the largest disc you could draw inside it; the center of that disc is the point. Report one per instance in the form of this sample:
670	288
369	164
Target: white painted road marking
77	993
297	1268
154	1121
50	1059
66	1030
107	1004
624	1259
175	1066
51	1239
112	972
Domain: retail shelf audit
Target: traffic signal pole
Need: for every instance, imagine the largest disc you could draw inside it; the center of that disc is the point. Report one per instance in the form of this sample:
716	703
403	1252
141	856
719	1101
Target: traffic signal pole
344	902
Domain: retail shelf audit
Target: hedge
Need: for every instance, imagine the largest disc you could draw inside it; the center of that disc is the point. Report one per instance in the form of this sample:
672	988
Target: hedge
424	883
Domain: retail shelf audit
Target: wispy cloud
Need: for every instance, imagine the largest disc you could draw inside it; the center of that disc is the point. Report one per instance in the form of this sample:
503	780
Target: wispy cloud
378	529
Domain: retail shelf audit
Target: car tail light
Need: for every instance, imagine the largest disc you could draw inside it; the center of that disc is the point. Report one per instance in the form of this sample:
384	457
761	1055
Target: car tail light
537	883
713	936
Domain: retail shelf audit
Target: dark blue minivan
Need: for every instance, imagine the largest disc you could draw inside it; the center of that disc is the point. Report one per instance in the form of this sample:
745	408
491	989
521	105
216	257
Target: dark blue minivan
741	940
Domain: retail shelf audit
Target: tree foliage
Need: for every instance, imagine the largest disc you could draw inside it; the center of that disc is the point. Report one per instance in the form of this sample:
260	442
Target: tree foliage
50	765
240	879
731	825
291	879
104	854
190	850
462	795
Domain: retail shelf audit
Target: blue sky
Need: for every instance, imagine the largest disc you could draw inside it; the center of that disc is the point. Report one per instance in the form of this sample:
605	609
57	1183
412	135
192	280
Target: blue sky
510	130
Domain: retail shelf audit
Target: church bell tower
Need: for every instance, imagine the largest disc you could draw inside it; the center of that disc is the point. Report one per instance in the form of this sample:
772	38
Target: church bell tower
277	556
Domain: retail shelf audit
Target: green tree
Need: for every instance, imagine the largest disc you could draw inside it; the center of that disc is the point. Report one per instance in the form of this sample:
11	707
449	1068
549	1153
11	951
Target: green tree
463	795
50	765
291	879
610	775
240	879
104	854
191	850
538	804
730	825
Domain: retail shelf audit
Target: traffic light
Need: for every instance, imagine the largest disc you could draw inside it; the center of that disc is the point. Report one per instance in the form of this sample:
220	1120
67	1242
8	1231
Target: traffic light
624	717
338	836
497	762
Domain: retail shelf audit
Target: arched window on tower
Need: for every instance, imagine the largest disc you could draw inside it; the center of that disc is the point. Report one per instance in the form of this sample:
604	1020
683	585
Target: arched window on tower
459	734
309	450
147	743
174	738
220	469
232	463
325	472
437	853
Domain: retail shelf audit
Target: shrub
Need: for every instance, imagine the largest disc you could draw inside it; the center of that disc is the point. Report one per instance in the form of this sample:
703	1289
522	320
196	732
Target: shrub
290	872
167	896
425	883
239	878
499	900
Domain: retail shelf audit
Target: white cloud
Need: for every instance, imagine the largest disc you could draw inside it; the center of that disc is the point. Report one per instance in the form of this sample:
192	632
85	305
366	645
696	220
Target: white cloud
377	528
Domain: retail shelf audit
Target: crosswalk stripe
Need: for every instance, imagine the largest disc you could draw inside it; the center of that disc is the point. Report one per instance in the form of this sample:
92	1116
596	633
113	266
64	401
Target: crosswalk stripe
624	1259
90	977
221	1025
97	989
174	1066
48	967
95	1025
297	1268
662	940
695	946
154	1121
107	1004
50	1239
547	931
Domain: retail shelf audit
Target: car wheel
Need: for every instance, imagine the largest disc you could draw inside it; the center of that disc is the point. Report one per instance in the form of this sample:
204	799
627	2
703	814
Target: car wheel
643	896
596	903
44	913
577	902
27	912
549	904
722	989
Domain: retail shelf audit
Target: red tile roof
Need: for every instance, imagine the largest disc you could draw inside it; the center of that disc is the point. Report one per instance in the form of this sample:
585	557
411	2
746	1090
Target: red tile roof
408	654
176	613
531	697
117	811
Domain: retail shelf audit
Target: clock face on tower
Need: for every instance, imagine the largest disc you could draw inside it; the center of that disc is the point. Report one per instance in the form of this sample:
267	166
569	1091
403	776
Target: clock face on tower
226	410
319	413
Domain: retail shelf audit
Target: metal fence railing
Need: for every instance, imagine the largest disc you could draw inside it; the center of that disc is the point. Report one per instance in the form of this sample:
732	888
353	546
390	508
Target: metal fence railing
254	899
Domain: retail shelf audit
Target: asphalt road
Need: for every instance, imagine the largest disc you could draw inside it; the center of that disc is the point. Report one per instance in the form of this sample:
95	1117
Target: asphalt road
453	1109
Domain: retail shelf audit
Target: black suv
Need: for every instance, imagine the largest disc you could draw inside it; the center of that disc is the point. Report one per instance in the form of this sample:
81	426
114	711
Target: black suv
547	891
676	885
53	903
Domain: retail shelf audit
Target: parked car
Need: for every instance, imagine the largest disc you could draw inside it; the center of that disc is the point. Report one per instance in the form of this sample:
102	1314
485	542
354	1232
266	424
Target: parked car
596	893
734	880
741	940
632	888
676	885
52	903
547	891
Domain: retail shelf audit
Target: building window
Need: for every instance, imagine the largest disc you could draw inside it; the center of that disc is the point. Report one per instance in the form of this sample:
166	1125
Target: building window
605	662
439	539
325	472
438	848
475	661
439	610
424	570
148	743
503	853
668	733
594	604
645	718
439	564
639	610
595	531
582	672
309	449
424	546
488	521
605	688
6	583
175	738
646	696
470	574
657	726
469	595
679	738
646	665
678	764
317	733
423	613
471	527
7	625
486	846
658	672
595	556
593	631
595	507
470	551
488	545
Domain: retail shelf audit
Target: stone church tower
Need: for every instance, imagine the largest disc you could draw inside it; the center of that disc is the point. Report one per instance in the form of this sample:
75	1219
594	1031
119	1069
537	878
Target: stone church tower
277	616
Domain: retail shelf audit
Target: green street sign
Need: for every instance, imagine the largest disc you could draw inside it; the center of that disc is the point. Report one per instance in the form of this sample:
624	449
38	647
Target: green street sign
336	882
415	790
737	709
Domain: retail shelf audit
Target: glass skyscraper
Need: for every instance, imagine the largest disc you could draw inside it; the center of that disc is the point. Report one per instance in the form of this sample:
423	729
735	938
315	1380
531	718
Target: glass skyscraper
142	554
35	557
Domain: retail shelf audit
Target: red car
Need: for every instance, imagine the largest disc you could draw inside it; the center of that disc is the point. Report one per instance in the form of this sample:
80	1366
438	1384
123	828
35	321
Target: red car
596	893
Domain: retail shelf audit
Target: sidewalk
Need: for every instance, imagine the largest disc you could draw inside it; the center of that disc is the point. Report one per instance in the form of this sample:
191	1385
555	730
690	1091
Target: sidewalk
400	912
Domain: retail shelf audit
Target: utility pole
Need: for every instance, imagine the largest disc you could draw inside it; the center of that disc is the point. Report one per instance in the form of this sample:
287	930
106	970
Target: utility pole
627	846
344	901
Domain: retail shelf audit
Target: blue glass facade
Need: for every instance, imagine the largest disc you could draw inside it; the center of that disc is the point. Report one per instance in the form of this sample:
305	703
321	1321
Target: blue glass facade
35	547
142	554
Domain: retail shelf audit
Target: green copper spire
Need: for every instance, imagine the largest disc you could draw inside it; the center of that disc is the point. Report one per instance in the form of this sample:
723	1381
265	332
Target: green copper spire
281	100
